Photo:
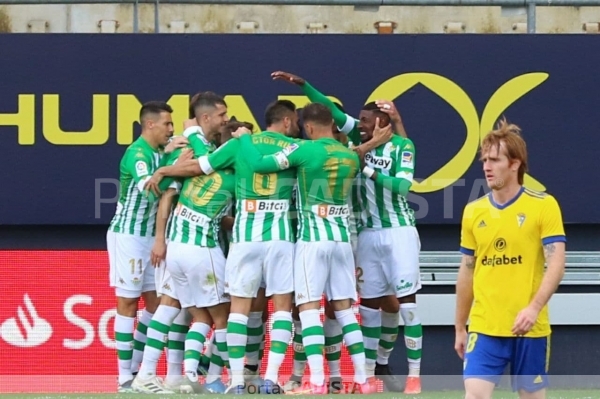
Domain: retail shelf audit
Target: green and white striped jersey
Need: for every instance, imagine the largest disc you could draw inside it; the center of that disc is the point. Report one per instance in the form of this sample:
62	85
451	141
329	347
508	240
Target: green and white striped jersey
355	225
203	201
326	169
380	207
136	213
262	200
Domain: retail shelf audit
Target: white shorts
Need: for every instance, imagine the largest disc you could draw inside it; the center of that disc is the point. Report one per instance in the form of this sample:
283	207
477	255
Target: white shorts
251	263
198	274
388	262
164	282
324	267
129	258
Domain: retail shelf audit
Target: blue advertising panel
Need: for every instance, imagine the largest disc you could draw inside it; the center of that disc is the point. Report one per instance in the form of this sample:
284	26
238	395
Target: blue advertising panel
69	105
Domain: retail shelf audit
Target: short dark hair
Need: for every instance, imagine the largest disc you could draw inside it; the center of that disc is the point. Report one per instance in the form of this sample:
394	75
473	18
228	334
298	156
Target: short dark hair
234	125
191	108
206	99
277	110
317	113
154	108
372	106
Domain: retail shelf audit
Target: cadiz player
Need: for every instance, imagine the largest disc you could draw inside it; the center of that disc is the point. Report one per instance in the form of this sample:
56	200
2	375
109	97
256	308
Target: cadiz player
506	238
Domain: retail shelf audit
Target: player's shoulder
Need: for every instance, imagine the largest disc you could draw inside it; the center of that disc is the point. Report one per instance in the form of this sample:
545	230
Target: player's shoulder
539	199
478	203
534	194
232	143
398	144
403	144
137	151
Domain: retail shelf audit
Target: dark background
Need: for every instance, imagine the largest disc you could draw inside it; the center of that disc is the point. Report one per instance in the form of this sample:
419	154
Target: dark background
48	200
55	185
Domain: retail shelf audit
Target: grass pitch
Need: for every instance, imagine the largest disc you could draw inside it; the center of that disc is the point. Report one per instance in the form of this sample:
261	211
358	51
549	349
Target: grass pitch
499	394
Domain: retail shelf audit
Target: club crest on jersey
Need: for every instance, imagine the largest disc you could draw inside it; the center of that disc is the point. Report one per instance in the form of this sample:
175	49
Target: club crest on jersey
520	219
141	168
407	159
289	149
378	162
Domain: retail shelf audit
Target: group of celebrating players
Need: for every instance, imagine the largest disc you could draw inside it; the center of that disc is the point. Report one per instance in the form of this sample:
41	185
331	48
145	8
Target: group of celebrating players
214	223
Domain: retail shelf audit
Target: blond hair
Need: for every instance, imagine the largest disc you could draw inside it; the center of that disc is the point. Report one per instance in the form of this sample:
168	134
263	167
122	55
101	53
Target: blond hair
514	145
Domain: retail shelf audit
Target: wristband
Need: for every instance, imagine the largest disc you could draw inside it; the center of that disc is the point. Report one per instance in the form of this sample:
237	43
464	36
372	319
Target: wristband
368	172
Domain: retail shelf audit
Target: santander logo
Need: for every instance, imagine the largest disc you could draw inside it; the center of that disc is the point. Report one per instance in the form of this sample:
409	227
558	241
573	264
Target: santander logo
26	330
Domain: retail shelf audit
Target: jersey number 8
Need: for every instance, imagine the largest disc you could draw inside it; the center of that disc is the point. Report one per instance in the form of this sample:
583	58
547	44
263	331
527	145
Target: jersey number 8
471	342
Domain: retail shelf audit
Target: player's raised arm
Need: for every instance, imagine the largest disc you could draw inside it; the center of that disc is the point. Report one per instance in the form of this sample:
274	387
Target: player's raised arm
345	122
260	163
402	181
553	242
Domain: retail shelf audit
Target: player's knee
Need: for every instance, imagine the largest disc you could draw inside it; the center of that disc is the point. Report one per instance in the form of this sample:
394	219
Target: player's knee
219	315
478	389
282	302
169	301
295	313
151	300
371	303
329	312
390	304
127	306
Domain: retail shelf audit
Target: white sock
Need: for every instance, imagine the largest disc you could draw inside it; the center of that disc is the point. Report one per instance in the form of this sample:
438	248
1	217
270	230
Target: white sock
313	338
281	333
156	339
139	340
176	346
124	340
237	338
354	342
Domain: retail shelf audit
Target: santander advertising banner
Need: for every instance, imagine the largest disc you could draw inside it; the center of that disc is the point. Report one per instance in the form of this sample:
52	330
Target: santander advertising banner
56	324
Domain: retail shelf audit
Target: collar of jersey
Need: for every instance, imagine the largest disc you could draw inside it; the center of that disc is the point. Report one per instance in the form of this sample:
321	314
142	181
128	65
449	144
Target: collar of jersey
201	133
509	203
146	144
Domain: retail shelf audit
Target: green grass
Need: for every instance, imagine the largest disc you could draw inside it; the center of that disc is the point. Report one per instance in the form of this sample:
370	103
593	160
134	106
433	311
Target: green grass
557	394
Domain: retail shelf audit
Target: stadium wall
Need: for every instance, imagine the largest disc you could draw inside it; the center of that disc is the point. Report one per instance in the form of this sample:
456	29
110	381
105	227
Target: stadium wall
197	18
66	127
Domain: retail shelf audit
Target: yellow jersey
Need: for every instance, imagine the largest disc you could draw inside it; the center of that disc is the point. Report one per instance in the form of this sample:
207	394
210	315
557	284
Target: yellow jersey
507	241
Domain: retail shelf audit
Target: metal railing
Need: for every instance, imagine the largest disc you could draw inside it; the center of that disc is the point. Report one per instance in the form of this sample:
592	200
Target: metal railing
531	5
441	267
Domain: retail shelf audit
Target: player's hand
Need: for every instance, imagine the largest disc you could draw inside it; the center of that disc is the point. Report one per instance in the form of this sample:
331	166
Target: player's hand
389	108
158	253
240	132
460	343
525	320
177	142
189	123
153	182
288	77
381	135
